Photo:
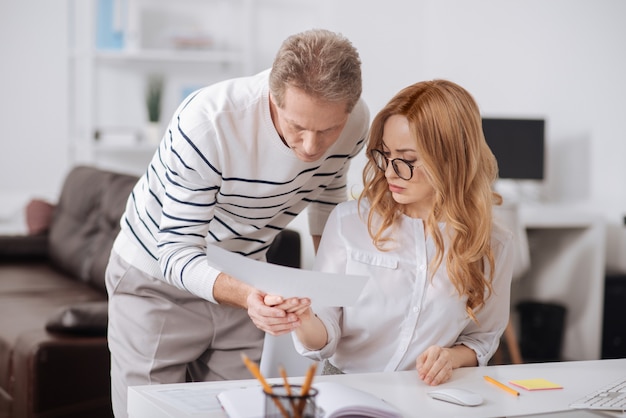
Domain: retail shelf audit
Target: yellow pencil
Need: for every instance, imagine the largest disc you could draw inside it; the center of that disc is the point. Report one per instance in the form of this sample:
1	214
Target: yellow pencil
306	386
501	386
308	379
283	373
256	372
254	369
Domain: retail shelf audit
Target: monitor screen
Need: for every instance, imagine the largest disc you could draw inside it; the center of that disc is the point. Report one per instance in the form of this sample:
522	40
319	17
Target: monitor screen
518	145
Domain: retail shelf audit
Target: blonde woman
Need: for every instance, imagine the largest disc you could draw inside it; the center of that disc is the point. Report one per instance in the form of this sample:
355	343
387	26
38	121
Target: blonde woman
440	268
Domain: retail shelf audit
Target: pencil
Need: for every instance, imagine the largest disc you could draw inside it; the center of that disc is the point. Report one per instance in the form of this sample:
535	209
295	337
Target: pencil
501	386
254	369
309	378
283	373
306	386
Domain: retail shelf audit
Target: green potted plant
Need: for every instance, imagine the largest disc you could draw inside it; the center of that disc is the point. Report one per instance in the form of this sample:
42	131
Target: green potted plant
154	93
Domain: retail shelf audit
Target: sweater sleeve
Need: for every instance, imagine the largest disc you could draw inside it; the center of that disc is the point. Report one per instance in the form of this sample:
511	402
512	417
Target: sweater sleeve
191	181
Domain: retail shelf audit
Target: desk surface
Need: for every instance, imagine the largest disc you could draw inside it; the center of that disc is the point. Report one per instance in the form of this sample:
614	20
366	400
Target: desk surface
408	393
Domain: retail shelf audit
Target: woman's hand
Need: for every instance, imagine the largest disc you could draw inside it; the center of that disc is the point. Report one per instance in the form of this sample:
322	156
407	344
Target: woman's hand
297	306
435	365
311	331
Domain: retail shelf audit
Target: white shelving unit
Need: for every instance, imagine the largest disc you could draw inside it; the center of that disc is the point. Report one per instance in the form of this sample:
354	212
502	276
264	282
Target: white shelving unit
188	43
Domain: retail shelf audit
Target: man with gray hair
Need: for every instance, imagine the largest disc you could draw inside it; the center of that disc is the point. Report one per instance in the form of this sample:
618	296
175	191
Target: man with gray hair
239	161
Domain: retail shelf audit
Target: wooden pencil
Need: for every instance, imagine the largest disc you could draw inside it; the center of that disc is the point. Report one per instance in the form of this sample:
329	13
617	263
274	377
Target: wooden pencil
283	373
306	387
256	372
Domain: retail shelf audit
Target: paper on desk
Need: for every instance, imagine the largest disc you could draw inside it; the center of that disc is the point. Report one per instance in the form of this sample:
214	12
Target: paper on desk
324	289
536	384
190	401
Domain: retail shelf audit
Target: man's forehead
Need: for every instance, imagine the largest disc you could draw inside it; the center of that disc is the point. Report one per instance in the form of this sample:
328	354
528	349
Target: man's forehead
311	113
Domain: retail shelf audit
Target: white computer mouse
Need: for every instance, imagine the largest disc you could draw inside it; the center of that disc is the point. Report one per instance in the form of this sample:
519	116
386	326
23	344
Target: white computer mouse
456	395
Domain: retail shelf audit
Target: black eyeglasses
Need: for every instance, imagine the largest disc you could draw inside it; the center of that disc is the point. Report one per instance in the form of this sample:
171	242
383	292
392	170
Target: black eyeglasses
402	168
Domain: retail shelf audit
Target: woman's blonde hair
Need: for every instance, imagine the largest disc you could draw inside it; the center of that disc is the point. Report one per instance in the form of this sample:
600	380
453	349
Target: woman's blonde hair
445	122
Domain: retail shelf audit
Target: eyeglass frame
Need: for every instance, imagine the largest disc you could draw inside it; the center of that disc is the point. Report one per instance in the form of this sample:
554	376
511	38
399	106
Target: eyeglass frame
394	162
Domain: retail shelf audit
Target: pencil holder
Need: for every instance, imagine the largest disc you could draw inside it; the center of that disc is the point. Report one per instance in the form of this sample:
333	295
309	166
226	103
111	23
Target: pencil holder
286	402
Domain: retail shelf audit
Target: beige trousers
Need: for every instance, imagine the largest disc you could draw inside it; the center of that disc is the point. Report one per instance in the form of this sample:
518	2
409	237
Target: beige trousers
160	334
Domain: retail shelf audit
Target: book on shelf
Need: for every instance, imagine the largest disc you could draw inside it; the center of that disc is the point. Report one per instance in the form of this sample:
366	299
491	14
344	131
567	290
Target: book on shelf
117	136
110	25
334	400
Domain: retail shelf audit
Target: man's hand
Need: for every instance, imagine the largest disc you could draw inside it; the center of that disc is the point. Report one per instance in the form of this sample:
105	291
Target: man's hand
273	314
269	313
299	306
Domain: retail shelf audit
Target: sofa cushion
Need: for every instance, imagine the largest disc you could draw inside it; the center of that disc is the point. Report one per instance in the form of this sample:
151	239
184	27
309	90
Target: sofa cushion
86	318
30	293
56	375
38	216
23	247
86	221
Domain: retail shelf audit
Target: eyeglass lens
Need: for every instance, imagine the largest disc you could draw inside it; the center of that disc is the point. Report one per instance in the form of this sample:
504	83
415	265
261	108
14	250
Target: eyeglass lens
402	168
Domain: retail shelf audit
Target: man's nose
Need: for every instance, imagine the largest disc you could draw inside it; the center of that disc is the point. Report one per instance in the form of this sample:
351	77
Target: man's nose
310	143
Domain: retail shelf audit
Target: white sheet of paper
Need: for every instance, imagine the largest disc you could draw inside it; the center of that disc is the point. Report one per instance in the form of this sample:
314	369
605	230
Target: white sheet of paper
191	401
324	289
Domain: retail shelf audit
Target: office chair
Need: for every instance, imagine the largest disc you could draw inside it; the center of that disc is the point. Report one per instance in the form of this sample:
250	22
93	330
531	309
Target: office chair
508	216
280	351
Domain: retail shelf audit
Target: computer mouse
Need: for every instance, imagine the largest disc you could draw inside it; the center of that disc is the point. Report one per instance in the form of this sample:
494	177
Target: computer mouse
456	395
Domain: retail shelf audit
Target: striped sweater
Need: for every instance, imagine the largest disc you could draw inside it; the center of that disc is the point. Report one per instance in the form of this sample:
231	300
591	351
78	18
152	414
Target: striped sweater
222	176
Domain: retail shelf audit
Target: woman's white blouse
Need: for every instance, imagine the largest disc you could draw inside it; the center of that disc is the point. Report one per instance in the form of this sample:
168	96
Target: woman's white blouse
401	312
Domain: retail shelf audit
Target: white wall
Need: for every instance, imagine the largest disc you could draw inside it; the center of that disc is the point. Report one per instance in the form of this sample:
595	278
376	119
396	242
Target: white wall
33	117
563	60
559	59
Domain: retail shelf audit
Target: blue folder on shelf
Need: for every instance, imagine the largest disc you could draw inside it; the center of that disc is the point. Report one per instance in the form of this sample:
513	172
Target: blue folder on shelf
110	28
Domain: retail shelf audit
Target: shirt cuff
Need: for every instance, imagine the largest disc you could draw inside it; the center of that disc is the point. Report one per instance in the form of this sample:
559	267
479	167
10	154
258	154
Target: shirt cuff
202	284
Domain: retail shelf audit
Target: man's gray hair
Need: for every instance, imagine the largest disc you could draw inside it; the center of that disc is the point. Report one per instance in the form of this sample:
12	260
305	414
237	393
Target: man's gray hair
322	63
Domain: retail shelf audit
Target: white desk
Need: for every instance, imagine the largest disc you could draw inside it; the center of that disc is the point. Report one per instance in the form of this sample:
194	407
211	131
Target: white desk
567	252
408	393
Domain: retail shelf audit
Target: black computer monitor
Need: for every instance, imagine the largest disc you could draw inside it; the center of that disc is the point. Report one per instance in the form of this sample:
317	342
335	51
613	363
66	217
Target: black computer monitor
518	145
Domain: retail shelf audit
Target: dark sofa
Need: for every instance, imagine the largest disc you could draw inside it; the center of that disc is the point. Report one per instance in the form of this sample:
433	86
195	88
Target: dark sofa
54	363
54	359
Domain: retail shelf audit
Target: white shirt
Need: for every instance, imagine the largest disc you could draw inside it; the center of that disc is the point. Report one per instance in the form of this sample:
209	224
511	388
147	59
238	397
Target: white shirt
401	312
